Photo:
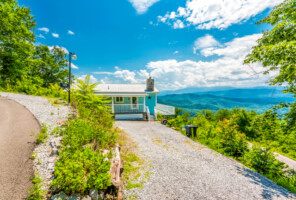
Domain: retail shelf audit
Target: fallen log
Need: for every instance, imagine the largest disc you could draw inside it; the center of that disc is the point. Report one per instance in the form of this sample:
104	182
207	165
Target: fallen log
115	171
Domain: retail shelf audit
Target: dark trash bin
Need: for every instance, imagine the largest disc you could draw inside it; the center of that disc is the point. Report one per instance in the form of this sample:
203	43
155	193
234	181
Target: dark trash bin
164	121
191	130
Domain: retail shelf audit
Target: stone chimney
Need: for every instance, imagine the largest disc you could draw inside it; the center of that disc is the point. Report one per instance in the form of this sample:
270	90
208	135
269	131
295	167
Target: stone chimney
150	84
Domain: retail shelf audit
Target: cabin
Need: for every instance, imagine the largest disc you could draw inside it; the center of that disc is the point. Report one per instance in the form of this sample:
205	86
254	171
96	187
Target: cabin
134	99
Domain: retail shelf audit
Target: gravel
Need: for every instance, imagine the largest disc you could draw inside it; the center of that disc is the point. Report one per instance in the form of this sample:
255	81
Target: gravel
183	169
45	112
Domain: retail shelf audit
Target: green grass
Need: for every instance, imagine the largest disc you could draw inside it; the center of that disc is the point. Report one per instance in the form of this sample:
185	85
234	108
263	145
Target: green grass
43	135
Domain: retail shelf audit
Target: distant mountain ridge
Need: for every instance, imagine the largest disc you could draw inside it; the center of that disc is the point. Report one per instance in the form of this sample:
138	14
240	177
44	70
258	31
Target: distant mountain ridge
259	99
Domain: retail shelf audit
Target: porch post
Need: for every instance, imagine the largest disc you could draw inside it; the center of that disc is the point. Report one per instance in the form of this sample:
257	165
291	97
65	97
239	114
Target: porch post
144	103
112	104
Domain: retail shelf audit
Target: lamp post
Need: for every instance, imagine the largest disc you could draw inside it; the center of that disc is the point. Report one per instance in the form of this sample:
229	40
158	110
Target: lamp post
71	56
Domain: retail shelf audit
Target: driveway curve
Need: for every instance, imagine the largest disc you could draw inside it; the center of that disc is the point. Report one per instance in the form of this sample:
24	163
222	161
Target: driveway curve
183	169
16	145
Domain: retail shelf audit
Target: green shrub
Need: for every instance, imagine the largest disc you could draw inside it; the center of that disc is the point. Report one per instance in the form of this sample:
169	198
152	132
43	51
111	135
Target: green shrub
81	132
36	192
80	170
231	141
263	161
43	135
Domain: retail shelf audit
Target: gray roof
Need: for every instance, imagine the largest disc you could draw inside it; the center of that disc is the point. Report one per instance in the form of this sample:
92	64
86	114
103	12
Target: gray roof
122	88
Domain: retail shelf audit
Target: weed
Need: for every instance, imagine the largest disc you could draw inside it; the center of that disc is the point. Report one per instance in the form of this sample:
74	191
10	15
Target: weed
33	155
43	135
36	192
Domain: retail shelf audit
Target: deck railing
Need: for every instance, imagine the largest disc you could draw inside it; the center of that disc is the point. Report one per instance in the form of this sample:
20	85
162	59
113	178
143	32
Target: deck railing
127	108
164	109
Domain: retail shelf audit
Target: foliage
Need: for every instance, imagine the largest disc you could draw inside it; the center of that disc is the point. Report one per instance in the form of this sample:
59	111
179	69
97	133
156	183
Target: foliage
20	59
43	135
36	192
81	170
16	40
264	162
276	49
85	87
81	132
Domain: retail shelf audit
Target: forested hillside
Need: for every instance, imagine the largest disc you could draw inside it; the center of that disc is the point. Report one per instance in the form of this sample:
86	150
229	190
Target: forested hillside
258	99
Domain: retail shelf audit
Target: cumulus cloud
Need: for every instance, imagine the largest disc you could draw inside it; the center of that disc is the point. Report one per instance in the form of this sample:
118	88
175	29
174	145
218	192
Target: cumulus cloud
92	78
44	29
205	14
235	49
55	35
205	42
226	70
142	6
70	32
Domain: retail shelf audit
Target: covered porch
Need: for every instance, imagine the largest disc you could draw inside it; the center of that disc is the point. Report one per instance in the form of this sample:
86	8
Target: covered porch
128	104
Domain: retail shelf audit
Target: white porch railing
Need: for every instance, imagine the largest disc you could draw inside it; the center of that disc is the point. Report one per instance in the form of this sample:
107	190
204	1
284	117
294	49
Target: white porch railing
164	109
127	108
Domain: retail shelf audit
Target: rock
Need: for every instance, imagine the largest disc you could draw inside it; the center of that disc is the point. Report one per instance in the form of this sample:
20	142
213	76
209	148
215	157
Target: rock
54	152
94	194
59	196
86	198
50	166
74	197
101	196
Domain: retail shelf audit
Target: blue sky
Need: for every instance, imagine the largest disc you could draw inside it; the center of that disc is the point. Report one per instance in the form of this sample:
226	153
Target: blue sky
184	43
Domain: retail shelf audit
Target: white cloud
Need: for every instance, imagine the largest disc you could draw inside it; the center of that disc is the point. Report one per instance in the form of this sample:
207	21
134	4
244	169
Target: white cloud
142	6
44	29
178	24
41	36
205	14
62	48
92	78
70	32
227	70
205	42
74	66
235	49
176	52
55	35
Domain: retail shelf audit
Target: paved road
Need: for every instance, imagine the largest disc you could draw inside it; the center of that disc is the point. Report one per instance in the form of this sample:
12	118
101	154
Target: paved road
16	145
183	169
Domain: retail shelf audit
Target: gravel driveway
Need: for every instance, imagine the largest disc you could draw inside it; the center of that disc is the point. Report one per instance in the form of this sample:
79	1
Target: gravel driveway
183	169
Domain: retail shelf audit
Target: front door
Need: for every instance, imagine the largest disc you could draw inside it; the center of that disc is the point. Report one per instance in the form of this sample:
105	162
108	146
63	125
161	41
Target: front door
134	102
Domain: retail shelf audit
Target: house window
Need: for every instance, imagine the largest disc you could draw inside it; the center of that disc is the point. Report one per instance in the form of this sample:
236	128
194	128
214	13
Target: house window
119	100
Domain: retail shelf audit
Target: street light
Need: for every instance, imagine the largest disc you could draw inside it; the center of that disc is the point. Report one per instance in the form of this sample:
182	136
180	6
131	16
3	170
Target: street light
74	57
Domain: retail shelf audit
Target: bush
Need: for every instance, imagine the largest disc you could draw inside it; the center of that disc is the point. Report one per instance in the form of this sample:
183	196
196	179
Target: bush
81	132
43	135
263	161
232	142
80	170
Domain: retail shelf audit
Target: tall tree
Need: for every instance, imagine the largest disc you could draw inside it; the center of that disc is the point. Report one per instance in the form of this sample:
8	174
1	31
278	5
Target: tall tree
49	65
16	40
276	50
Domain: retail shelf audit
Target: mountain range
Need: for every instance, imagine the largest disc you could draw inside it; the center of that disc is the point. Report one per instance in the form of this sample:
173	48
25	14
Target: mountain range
259	99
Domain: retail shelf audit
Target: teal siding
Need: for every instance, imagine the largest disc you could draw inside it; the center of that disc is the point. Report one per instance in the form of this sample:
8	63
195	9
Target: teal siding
151	103
140	100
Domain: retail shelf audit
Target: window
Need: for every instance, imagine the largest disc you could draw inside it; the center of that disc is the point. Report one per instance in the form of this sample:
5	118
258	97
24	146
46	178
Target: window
118	99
